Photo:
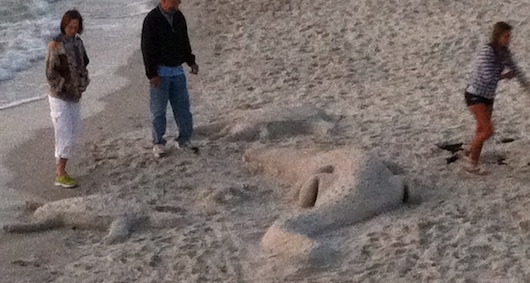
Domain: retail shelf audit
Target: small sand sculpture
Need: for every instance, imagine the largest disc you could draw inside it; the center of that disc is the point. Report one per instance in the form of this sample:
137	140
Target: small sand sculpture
338	187
95	212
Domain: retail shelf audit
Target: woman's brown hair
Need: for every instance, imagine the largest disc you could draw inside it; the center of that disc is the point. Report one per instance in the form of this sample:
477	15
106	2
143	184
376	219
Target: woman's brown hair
72	15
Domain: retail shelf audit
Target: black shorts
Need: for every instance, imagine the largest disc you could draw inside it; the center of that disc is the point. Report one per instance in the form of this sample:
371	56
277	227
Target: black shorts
472	99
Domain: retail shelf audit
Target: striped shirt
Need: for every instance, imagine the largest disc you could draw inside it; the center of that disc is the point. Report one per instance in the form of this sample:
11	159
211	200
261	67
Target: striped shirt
488	69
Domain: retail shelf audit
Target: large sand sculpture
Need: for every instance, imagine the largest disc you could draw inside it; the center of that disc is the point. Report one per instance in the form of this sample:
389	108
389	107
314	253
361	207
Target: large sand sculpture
336	188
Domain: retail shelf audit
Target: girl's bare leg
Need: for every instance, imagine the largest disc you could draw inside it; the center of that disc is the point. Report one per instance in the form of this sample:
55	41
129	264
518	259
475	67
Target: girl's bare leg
483	131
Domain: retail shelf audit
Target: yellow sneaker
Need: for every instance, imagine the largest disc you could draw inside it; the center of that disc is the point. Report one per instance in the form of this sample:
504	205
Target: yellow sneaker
65	181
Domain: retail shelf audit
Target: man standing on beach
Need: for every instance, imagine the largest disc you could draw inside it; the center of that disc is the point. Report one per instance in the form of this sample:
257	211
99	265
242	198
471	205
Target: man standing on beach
165	47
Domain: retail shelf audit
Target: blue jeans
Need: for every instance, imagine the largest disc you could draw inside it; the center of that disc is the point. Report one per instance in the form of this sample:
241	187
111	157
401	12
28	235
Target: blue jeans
175	90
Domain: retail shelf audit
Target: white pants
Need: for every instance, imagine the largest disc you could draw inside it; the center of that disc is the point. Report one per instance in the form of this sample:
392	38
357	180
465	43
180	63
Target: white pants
66	119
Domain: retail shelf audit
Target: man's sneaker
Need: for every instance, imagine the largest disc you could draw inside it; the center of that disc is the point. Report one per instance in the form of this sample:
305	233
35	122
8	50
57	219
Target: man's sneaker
159	150
188	147
65	181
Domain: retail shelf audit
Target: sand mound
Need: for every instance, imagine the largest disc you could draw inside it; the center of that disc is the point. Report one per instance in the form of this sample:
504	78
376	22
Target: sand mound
269	123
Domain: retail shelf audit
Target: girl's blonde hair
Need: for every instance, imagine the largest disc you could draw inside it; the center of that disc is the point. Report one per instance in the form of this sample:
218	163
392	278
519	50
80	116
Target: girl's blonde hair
498	29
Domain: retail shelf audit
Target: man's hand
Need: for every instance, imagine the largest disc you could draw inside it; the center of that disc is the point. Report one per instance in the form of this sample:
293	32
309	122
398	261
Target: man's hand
154	81
194	69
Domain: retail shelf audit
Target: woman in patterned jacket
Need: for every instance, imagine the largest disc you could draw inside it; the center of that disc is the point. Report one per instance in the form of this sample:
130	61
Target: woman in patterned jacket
67	75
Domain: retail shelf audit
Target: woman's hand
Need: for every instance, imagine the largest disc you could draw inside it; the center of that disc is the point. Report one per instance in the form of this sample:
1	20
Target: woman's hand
508	75
53	44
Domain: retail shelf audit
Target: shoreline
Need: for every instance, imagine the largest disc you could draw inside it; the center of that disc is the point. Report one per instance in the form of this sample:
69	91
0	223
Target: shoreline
22	102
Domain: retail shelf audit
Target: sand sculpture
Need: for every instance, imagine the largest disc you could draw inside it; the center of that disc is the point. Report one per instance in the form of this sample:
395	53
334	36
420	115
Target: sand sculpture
269	123
104	212
335	188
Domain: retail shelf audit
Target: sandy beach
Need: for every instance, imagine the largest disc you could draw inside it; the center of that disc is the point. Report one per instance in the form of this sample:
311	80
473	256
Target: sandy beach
385	77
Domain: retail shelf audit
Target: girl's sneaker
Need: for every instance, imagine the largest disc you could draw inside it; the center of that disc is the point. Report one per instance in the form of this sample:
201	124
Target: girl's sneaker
65	181
472	167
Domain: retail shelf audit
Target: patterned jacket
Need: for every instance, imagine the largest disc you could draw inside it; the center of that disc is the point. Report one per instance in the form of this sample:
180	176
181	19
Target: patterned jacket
488	68
66	68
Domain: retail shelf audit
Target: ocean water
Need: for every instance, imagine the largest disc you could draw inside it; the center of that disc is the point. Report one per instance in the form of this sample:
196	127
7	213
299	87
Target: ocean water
27	26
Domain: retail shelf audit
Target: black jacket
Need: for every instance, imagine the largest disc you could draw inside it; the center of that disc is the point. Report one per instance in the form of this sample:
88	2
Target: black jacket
164	45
